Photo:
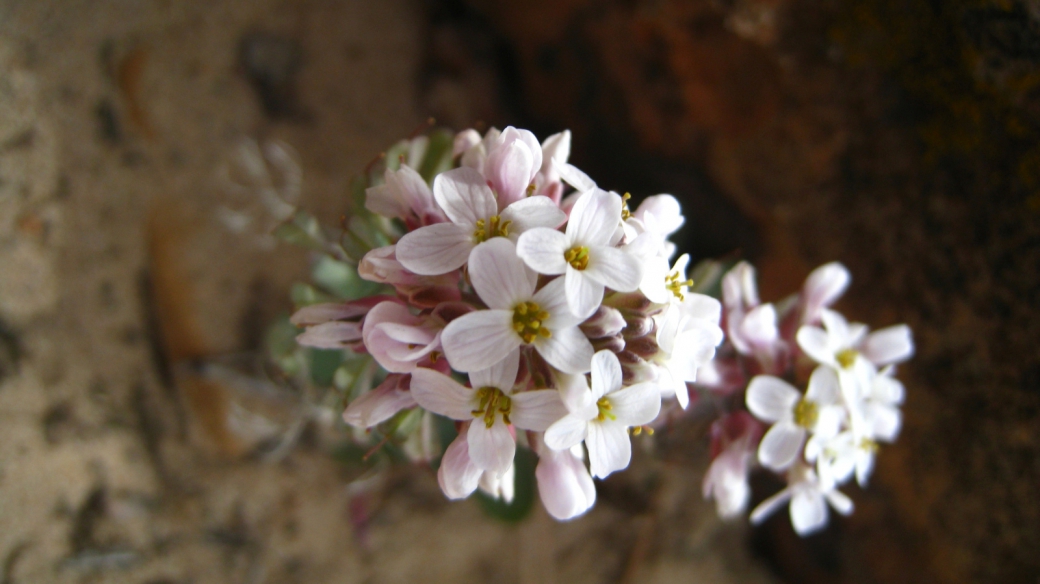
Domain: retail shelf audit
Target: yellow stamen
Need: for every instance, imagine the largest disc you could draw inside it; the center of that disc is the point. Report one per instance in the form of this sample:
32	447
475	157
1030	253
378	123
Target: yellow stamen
625	213
806	413
605	406
528	321
492	403
530	189
577	257
493	227
847	357
672	283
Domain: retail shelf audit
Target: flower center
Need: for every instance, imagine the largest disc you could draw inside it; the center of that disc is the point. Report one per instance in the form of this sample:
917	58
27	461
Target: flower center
604	409
577	257
527	321
806	413
868	445
847	357
672	283
493	227
625	213
492	402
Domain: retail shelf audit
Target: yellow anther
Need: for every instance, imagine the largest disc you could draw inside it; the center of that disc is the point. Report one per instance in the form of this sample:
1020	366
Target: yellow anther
806	413
530	189
577	257
493	227
847	357
868	445
672	283
528	321
625	213
492	402
604	409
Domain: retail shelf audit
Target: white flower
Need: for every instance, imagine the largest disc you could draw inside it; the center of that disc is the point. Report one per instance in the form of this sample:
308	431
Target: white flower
842	342
874	402
602	415
459	476
809	498
474	217
517	316
844	454
564	484
750	326
663	285
772	399
584	253
657	216
687	335
491	405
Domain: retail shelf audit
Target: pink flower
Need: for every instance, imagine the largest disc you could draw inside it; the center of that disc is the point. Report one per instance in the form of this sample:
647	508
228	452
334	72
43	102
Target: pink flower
564	484
399	340
516	316
474	216
514	157
380	404
404	196
381	265
334	325
734	439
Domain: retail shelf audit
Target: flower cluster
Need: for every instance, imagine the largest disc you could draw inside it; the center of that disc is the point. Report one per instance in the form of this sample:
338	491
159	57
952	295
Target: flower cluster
499	287
818	439
523	315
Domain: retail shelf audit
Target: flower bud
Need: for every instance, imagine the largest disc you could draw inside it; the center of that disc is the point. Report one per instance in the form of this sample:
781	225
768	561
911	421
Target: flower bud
645	347
638	326
614	344
605	322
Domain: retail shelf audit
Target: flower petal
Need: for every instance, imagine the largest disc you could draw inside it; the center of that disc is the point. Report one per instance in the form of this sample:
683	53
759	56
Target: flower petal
552	298
533	212
565	487
435	249
780	445
464	196
609	448
572	176
474	340
491	449
542	249
379	405
594	218
824	387
840	501
614	268
566	432
567	350
537	410
606	374
808	512
442	395
637	404
584	295
458	476
500	277
330	335
770	398
893	344
769	506
501	375
813	341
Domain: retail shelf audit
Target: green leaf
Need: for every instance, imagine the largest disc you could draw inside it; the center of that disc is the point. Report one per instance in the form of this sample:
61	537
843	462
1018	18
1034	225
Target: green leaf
523	499
305	295
342	279
323	365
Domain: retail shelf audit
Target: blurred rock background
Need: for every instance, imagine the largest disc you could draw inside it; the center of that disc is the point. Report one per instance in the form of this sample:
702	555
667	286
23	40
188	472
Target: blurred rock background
899	137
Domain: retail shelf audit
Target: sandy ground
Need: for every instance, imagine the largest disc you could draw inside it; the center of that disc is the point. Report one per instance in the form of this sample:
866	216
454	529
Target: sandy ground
115	119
